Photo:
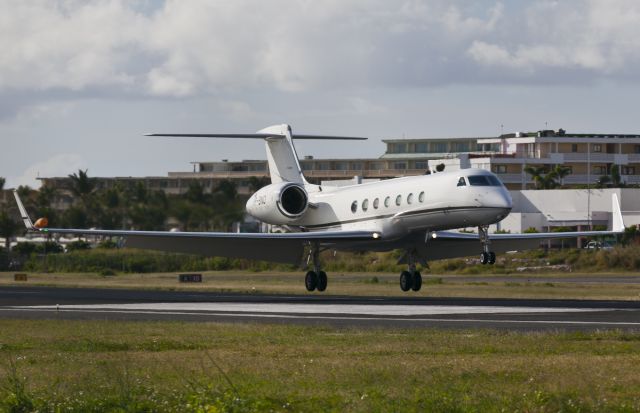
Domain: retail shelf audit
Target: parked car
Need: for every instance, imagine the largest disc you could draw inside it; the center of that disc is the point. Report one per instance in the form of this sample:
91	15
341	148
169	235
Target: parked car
598	245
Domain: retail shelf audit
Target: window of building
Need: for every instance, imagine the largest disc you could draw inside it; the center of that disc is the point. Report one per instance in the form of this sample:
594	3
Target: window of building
356	166
365	205
323	166
597	147
354	206
628	170
574	147
398	148
421	197
376	166
410	199
376	202
386	201
399	165
462	182
500	169
422	165
599	170
399	200
340	166
439	147
460	147
421	147
636	148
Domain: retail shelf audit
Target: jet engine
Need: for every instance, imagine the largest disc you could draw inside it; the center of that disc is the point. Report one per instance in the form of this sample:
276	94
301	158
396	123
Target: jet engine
282	203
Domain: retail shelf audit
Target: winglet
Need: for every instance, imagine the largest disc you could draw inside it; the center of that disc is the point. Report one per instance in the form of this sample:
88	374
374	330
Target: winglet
23	213
616	215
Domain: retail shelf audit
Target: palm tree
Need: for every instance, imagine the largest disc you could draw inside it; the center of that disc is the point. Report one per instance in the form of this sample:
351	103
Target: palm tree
81	184
542	179
561	172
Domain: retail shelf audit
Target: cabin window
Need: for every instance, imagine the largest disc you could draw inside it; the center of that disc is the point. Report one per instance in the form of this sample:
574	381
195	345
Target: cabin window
399	200
494	181
365	205
354	206
484	180
410	199
421	197
461	182
376	202
386	201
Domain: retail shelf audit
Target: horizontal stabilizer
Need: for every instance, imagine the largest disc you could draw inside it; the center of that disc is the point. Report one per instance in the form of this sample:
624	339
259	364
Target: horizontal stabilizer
253	136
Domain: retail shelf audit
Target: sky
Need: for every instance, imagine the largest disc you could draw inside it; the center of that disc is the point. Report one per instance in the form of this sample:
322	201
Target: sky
81	81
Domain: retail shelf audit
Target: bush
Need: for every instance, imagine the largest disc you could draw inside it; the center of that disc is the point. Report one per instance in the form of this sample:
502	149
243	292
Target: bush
49	247
108	244
24	248
78	246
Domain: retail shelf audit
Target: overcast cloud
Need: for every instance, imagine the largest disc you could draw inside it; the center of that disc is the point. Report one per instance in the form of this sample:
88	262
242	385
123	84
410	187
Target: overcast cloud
79	79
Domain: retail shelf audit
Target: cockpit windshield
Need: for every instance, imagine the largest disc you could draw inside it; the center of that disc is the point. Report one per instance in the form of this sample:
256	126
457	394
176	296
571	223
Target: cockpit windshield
483	180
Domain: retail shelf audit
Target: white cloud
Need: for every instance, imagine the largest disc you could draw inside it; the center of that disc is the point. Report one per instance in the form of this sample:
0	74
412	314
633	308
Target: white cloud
204	47
58	165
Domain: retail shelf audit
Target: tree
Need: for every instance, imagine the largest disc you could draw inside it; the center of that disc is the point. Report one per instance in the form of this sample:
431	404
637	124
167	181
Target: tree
81	185
2	182
542	179
561	171
616	179
8	227
256	183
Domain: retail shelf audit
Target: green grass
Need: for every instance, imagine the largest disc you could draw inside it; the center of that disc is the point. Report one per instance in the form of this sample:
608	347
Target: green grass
78	366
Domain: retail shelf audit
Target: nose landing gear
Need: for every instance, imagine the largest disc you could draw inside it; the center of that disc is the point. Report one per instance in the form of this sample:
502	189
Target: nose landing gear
487	256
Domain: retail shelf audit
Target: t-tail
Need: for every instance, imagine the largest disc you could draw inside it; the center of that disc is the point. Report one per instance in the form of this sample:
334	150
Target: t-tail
281	153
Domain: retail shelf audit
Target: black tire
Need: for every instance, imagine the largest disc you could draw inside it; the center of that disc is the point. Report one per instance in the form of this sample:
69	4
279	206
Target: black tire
484	258
311	280
322	281
417	281
406	281
492	258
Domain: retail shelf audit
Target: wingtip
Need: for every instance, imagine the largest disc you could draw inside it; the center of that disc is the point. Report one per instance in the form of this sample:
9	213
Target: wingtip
616	215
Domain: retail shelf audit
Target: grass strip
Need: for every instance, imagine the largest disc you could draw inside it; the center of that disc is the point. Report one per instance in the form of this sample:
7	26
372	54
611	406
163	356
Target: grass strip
84	366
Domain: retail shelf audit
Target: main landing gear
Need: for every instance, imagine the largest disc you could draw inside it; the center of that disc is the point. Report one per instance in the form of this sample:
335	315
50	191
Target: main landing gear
487	256
411	279
315	279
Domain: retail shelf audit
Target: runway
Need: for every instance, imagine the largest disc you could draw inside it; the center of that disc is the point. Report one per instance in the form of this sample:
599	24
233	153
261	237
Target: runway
343	311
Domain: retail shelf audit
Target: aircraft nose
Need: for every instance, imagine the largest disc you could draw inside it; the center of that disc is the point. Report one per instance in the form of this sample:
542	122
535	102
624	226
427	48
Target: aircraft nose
499	198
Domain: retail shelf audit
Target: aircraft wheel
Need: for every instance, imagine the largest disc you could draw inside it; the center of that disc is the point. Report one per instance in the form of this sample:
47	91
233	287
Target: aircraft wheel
484	258
311	280
417	281
492	258
406	281
322	281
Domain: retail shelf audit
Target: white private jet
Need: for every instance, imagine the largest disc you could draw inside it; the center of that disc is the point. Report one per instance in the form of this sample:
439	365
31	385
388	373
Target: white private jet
409	213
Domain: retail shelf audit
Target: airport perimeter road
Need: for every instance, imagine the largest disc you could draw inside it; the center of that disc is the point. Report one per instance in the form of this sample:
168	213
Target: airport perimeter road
510	314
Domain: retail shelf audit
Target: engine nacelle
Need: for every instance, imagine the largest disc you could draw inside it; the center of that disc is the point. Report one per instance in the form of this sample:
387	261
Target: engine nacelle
282	203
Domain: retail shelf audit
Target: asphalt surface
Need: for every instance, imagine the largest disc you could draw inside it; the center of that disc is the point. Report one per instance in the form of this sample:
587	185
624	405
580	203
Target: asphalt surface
343	311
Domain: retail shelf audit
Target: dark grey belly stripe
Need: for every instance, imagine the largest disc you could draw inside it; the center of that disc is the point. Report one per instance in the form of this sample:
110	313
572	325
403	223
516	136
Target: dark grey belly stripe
418	212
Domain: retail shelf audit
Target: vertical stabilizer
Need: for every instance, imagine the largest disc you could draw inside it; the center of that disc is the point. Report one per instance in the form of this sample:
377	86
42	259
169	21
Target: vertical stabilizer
281	154
616	215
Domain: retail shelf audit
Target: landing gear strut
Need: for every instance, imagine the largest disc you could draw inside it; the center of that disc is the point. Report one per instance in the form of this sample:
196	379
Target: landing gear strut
487	256
315	279
411	279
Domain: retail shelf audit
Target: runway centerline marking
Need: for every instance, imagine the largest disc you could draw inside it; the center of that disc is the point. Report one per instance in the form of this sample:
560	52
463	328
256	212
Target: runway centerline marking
319	317
341	309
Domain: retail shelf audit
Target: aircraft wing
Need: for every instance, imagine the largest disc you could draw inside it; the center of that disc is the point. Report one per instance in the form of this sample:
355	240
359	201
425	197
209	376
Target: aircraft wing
277	247
450	244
